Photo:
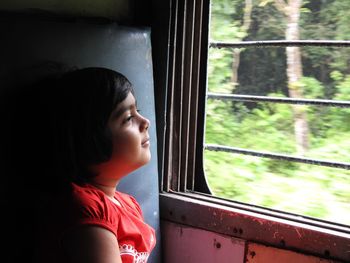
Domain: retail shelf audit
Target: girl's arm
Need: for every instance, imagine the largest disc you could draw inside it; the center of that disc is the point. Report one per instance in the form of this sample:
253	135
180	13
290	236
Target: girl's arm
91	244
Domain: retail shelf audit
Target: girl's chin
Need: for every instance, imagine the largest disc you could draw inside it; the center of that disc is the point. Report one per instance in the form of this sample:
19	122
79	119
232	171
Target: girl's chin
147	159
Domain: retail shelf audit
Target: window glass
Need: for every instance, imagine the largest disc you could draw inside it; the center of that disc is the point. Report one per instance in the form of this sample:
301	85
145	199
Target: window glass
315	132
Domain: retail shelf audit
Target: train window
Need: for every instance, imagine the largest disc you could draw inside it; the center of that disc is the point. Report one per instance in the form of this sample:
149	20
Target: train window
277	112
257	122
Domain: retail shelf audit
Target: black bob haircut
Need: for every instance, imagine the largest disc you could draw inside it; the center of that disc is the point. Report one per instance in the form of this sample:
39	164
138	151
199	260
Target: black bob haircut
54	126
83	100
56	123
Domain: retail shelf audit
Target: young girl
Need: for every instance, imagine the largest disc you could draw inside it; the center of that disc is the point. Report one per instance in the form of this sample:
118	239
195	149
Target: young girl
99	137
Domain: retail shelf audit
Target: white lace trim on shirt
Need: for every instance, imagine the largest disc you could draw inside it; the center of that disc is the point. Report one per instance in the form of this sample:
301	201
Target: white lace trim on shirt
139	257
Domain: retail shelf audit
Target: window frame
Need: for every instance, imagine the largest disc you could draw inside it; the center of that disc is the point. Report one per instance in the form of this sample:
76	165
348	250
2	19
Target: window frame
187	56
184	191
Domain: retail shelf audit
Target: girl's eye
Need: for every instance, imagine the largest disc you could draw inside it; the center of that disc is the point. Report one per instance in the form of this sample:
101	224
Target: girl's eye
129	118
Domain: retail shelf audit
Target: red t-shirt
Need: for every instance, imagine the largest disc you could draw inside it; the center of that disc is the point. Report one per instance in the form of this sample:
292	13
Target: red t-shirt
87	205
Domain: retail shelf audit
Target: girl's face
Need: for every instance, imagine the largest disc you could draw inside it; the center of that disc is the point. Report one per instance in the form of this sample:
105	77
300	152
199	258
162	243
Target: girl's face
129	129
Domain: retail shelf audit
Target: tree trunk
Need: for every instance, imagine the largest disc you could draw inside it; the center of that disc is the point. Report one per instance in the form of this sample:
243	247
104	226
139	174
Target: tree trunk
235	64
237	51
294	72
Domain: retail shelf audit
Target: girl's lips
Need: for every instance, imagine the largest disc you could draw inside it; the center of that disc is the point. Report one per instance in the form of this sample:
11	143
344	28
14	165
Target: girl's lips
145	143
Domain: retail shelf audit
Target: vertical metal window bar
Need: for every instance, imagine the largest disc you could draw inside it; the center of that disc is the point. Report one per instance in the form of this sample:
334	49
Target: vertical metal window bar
188	47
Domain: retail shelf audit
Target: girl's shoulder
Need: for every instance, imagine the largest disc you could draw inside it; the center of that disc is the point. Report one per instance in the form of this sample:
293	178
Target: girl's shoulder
87	205
129	201
90	199
85	193
86	201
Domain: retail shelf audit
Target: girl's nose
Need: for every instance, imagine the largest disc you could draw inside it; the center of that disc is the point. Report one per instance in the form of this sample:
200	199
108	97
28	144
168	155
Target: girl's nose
145	123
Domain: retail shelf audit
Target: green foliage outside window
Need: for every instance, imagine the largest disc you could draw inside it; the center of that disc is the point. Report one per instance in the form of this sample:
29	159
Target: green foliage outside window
304	189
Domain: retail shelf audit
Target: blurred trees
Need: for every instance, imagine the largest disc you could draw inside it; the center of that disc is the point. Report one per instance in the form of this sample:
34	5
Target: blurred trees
321	73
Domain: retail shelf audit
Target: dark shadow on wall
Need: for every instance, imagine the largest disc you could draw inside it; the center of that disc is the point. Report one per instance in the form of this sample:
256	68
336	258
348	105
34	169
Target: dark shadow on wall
27	156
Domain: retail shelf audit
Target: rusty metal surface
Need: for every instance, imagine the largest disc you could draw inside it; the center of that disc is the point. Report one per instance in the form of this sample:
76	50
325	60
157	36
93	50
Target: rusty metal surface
261	254
186	244
257	227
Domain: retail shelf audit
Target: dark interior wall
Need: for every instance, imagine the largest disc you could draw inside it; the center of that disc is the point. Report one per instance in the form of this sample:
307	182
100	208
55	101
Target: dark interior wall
130	12
117	10
29	40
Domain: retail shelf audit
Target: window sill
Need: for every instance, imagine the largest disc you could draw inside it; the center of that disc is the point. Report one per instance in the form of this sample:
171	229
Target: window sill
258	225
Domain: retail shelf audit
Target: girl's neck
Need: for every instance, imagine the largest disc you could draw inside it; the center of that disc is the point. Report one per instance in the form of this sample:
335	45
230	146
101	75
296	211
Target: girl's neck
108	188
107	178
